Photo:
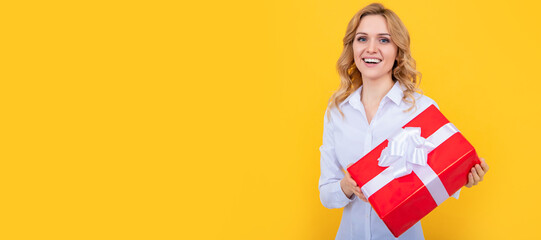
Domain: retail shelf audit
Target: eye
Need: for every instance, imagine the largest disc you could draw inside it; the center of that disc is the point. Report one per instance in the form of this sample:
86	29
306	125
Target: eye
361	39
384	40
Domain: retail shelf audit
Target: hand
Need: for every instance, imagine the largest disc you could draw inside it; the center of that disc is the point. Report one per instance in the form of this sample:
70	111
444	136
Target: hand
349	186
477	173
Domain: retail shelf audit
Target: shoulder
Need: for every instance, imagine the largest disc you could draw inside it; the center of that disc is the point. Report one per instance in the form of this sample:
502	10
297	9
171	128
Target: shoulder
424	101
331	113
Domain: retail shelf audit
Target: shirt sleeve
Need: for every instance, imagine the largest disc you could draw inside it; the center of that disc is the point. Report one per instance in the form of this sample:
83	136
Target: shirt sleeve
330	192
435	104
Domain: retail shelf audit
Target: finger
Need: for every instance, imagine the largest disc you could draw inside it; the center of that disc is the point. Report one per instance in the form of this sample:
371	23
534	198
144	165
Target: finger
347	173
363	198
349	179
357	191
360	195
352	182
484	165
345	170
470	180
480	172
349	165
475	176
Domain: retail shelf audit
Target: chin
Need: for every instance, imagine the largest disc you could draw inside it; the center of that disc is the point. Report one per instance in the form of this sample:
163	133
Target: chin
375	75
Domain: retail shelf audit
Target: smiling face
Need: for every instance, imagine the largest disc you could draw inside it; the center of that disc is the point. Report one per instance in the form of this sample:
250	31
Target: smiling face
373	50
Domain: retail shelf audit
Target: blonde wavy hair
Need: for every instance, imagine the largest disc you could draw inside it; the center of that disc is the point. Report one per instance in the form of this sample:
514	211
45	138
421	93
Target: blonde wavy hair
403	69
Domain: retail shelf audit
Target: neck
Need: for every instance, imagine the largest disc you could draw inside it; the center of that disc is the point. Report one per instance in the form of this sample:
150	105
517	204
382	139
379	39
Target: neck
374	90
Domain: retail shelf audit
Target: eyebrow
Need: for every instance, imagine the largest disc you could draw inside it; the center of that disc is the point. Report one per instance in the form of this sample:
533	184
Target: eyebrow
367	34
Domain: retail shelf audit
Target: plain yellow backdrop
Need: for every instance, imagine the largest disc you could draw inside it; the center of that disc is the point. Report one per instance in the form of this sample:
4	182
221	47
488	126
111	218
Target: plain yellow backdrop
203	119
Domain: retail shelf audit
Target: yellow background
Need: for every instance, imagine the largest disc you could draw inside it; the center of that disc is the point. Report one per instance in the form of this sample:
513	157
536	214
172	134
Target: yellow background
203	119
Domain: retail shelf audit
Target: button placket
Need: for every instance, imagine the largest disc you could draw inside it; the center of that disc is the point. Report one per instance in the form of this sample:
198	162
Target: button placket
368	224
368	141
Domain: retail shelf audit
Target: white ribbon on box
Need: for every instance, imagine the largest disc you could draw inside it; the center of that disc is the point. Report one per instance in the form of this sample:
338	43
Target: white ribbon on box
407	151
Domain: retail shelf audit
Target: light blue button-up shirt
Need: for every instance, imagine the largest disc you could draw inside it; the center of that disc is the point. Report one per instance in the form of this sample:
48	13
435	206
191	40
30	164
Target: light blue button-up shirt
346	140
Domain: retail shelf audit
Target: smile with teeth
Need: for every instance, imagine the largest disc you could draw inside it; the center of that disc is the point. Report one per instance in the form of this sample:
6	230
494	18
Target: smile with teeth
371	60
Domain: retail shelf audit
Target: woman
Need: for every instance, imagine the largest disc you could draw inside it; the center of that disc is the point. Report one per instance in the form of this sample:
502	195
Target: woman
377	95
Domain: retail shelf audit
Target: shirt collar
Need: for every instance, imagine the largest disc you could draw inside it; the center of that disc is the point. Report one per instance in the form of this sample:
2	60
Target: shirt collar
356	95
395	94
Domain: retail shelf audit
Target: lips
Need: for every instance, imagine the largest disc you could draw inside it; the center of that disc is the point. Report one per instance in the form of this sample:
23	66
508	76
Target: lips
371	60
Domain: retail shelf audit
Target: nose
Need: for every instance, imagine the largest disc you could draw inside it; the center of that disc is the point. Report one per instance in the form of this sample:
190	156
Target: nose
372	47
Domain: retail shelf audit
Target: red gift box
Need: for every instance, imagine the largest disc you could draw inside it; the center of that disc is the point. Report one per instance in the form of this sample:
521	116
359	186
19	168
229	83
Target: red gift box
405	191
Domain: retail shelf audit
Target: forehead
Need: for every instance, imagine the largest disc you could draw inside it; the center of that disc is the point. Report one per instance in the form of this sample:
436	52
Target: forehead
373	24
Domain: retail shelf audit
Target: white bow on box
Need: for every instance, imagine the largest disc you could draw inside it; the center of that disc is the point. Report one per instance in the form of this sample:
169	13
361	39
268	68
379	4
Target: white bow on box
404	149
408	152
